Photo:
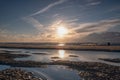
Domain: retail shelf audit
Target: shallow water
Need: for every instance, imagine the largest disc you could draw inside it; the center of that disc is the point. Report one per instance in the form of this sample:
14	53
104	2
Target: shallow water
49	54
55	72
2	67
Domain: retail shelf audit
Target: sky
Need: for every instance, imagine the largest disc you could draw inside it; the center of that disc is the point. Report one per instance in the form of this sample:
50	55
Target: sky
38	20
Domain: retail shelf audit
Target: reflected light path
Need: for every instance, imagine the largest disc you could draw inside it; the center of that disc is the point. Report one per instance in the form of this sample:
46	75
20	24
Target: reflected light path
61	44
61	53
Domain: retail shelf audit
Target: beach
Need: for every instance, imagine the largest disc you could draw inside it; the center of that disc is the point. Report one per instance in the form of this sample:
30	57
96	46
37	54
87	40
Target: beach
85	70
60	40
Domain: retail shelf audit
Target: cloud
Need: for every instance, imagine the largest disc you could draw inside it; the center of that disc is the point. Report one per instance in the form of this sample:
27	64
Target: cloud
81	30
115	8
97	27
48	7
3	33
44	33
55	15
34	22
73	20
78	31
7	36
94	3
90	3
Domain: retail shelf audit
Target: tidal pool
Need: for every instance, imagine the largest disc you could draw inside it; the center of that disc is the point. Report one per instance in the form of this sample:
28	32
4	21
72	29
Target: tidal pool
59	72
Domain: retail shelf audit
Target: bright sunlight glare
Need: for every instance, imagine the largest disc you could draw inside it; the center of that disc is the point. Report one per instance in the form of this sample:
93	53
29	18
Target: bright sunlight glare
61	44
61	53
61	31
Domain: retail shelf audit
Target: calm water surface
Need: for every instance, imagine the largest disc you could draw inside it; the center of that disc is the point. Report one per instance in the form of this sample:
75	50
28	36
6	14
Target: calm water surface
62	72
91	56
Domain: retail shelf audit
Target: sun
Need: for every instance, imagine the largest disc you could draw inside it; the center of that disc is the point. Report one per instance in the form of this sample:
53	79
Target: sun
61	31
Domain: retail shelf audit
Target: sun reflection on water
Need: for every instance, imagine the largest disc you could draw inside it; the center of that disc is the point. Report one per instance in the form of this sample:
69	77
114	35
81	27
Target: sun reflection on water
61	53
61	44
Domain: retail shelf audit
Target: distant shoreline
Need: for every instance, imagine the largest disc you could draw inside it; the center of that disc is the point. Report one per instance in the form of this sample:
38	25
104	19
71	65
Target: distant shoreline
66	47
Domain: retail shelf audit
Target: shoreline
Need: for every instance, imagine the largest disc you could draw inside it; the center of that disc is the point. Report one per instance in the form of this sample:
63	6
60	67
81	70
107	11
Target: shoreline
82	48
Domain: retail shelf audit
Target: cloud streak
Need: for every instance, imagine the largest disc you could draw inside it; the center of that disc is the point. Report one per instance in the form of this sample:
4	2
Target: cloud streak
48	7
34	22
94	3
100	26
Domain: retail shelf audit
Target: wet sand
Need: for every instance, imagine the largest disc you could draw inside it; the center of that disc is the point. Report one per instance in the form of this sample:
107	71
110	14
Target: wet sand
55	57
73	56
40	53
115	60
17	74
